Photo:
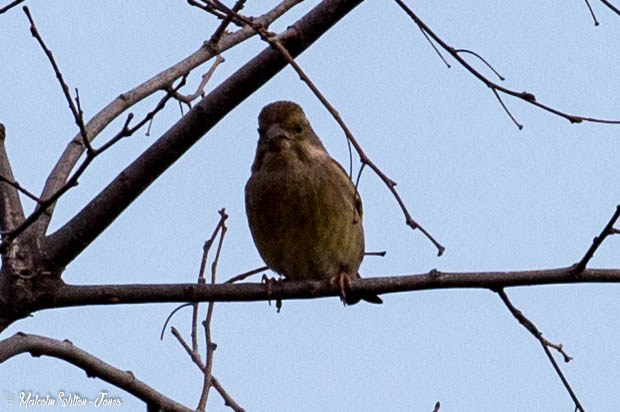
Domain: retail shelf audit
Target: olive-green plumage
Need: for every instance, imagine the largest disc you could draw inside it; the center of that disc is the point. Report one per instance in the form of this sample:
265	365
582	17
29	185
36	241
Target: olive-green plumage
303	210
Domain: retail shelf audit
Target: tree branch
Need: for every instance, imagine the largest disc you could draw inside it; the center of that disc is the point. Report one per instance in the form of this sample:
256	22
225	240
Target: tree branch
10	6
94	367
526	96
598	240
11	210
105	116
529	325
77	295
71	239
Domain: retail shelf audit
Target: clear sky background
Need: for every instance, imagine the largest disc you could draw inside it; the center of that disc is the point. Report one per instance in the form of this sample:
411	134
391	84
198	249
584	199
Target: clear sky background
496	197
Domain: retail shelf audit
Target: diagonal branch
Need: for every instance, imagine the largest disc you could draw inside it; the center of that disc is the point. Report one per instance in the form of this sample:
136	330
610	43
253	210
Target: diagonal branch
75	110
529	325
10	6
124	101
71	239
608	230
11	210
611	7
94	367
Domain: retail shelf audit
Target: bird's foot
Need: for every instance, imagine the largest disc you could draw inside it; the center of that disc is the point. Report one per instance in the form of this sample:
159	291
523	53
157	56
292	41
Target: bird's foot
269	282
343	281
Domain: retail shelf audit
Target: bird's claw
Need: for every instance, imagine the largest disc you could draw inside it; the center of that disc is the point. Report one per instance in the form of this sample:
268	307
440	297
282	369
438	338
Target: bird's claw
269	282
343	281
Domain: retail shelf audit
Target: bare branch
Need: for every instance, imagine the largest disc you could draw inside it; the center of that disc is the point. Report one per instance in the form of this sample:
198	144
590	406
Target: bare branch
228	400
77	295
105	116
10	6
245	275
20	188
529	325
71	239
608	230
76	111
211	346
215	38
45	204
482	59
11	210
201	87
526	96
93	366
611	6
592	13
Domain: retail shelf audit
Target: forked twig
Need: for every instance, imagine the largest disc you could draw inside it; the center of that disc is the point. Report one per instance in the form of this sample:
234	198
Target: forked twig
207	367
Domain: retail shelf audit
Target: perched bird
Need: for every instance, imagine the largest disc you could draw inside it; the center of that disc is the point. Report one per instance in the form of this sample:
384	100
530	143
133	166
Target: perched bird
304	212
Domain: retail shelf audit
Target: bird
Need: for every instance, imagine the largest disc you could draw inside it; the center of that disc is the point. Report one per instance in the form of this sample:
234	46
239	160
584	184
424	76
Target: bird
303	210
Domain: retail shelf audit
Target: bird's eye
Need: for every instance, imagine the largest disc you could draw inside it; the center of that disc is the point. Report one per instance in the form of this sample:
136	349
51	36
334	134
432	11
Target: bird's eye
298	128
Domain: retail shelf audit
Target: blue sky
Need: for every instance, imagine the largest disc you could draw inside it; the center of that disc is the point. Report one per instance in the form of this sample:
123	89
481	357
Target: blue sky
496	197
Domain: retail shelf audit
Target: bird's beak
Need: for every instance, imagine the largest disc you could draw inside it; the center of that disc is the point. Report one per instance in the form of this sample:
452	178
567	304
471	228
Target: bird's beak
276	136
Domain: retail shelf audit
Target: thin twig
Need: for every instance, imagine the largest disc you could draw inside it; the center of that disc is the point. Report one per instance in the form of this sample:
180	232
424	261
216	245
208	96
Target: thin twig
228	400
596	242
20	188
592	13
483	60
76	111
208	8
499	98
381	253
215	38
529	325
201	87
247	274
175	310
207	322
275	43
428	39
195	356
528	97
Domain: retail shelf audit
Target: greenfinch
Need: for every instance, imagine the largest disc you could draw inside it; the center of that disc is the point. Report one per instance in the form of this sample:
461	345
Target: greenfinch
304	212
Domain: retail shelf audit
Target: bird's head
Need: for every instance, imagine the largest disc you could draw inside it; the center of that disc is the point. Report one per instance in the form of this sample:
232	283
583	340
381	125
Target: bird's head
285	136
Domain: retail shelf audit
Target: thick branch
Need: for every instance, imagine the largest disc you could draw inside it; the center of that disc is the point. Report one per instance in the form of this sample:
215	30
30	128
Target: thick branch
94	367
70	240
11	211
70	295
75	148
